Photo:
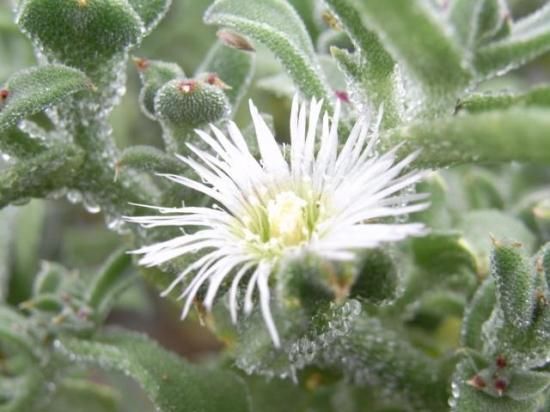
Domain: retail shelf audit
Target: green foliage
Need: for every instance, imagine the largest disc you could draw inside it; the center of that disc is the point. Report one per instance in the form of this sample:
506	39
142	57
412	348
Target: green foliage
528	38
537	97
277	25
33	90
452	314
38	176
151	12
492	136
172	384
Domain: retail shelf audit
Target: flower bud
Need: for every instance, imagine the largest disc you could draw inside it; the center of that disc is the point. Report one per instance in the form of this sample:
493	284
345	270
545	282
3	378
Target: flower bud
183	105
154	74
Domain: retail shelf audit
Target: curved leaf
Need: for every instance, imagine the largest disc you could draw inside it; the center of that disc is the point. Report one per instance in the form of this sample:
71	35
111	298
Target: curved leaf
277	25
40	175
172	384
150	11
371	66
529	38
32	90
476	103
414	37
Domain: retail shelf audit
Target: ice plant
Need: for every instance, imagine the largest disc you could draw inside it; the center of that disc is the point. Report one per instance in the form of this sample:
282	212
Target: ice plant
328	202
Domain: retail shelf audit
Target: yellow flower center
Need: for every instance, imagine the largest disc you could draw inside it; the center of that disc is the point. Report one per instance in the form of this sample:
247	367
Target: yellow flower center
286	214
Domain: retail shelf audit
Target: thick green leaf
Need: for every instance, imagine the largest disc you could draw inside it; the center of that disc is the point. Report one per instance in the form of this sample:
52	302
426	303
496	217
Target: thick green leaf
15	142
496	136
529	38
89	396
477	313
515	284
378	277
233	67
537	97
150	159
478	226
276	24
371	67
466	398
416	39
150	11
444	253
109	281
33	90
30	222
40	175
474	20
14	328
7	216
172	384
527	384
49	278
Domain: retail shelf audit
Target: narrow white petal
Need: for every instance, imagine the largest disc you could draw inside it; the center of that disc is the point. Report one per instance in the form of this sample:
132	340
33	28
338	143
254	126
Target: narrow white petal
263	287
273	159
248	305
233	307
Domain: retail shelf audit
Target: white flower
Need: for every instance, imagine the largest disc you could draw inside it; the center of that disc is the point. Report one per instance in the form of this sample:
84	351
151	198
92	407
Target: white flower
323	201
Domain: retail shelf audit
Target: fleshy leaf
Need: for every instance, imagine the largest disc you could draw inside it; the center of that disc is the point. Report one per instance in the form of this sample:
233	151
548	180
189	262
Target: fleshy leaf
172	384
474	20
527	384
276	24
378	277
444	253
538	97
15	142
371	67
29	224
515	284
150	11
430	55
32	90
40	175
479	225
150	159
477	313
529	38
495	136
233	67
467	398
89	396
109	281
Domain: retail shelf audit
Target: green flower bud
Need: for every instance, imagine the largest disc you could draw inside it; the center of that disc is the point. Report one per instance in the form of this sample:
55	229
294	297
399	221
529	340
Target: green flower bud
183	105
81	33
154	74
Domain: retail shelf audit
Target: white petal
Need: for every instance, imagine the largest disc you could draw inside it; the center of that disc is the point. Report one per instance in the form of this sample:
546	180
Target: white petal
233	290
263	287
273	160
